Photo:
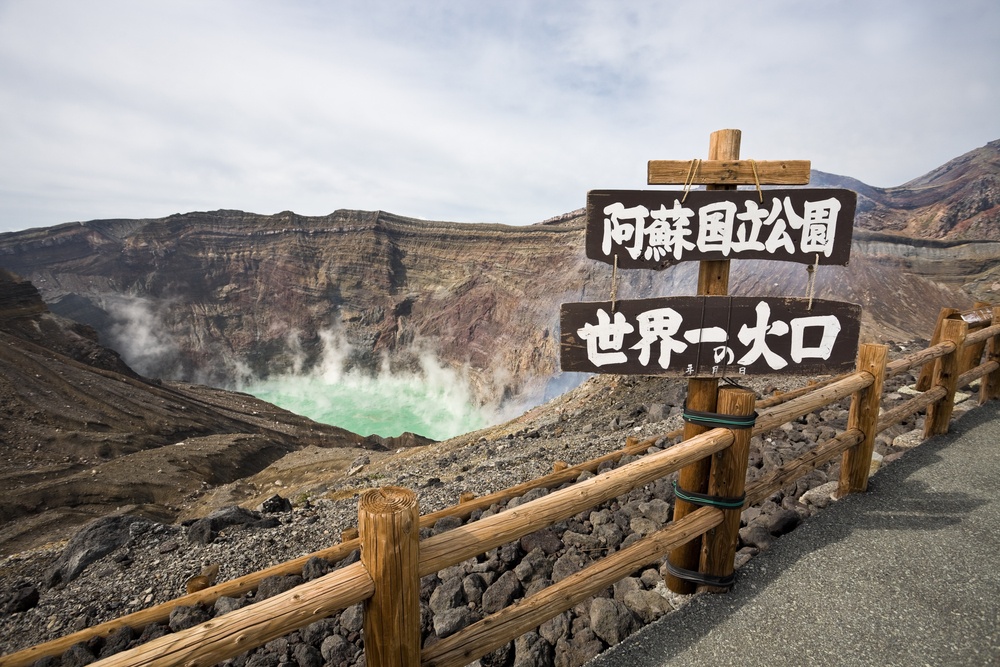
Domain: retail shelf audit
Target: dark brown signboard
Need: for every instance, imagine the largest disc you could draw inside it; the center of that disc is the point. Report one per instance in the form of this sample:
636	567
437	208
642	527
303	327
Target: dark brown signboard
653	229
709	336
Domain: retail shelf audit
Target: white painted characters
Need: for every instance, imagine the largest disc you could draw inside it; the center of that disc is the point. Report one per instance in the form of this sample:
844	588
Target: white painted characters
721	227
662	335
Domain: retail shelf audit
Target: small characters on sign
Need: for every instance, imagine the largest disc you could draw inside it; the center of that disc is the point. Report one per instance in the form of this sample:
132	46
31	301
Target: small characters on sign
712	335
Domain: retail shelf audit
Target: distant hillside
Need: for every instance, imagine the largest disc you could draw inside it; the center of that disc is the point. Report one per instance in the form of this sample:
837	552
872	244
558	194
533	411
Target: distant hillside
958	201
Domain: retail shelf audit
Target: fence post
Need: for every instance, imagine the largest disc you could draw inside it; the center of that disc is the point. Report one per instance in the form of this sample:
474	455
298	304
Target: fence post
728	480
946	372
856	462
989	386
389	527
927	371
972	354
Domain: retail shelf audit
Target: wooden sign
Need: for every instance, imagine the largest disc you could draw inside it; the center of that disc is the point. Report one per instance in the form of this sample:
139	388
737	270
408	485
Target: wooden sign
710	336
653	229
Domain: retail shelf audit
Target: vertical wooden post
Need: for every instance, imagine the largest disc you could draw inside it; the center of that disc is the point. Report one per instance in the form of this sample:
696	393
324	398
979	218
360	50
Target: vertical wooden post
989	386
946	375
389	526
856	462
713	280
972	354
927	372
728	480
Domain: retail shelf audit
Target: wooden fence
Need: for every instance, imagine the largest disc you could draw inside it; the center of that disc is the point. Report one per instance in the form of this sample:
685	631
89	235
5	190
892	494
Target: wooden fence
393	559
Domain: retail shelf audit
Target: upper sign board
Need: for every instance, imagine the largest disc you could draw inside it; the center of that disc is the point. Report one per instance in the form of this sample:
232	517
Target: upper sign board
653	229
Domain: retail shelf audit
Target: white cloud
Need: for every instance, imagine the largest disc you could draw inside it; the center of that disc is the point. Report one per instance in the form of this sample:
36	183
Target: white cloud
494	111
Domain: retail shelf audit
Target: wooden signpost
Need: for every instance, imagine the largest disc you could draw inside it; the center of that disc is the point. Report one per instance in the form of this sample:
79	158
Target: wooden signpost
713	335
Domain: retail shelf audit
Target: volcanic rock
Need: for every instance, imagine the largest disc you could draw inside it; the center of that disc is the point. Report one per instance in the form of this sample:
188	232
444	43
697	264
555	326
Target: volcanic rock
275	505
96	540
23	599
610	620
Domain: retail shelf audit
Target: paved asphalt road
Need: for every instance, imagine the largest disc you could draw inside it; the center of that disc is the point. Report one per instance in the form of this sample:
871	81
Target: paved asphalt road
905	574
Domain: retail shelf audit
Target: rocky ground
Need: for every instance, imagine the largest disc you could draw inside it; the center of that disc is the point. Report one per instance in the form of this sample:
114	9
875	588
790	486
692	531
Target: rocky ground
43	596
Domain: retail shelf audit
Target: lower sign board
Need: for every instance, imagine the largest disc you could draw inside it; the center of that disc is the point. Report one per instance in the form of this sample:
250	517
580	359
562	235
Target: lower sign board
708	336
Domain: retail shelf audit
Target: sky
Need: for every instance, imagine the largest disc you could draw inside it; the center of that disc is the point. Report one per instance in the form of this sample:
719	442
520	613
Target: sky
472	111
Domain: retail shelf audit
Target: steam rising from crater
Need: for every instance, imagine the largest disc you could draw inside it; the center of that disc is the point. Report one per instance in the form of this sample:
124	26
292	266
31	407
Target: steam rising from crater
426	398
411	391
139	335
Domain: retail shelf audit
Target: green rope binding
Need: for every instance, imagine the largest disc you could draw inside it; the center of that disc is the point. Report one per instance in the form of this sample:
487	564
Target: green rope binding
714	419
700	577
704	499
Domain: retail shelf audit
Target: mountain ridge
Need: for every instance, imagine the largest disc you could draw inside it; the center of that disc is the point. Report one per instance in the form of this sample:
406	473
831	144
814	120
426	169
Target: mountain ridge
958	200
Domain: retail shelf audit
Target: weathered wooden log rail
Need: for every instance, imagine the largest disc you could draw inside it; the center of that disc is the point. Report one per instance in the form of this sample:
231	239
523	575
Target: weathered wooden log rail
387	578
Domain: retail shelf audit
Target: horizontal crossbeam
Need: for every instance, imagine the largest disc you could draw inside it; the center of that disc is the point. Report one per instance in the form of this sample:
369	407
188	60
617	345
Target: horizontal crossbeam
728	172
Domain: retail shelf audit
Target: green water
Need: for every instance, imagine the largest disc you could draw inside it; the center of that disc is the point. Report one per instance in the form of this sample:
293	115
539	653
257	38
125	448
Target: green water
385	406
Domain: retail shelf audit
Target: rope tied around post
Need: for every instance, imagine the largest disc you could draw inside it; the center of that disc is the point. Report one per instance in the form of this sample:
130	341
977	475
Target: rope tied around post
614	284
811	284
706	500
756	180
700	578
715	419
689	179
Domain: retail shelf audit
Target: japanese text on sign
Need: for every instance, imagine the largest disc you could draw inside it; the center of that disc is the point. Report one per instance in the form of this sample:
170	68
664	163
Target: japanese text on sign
653	229
709	336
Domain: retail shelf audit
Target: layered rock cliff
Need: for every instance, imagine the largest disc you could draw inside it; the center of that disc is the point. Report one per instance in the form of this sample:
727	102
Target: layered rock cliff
223	293
219	296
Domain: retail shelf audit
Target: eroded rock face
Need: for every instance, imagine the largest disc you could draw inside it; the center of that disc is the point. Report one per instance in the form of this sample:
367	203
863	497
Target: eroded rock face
227	288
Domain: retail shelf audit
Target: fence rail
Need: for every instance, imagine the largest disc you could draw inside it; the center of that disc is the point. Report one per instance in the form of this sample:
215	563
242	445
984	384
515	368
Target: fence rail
392	559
